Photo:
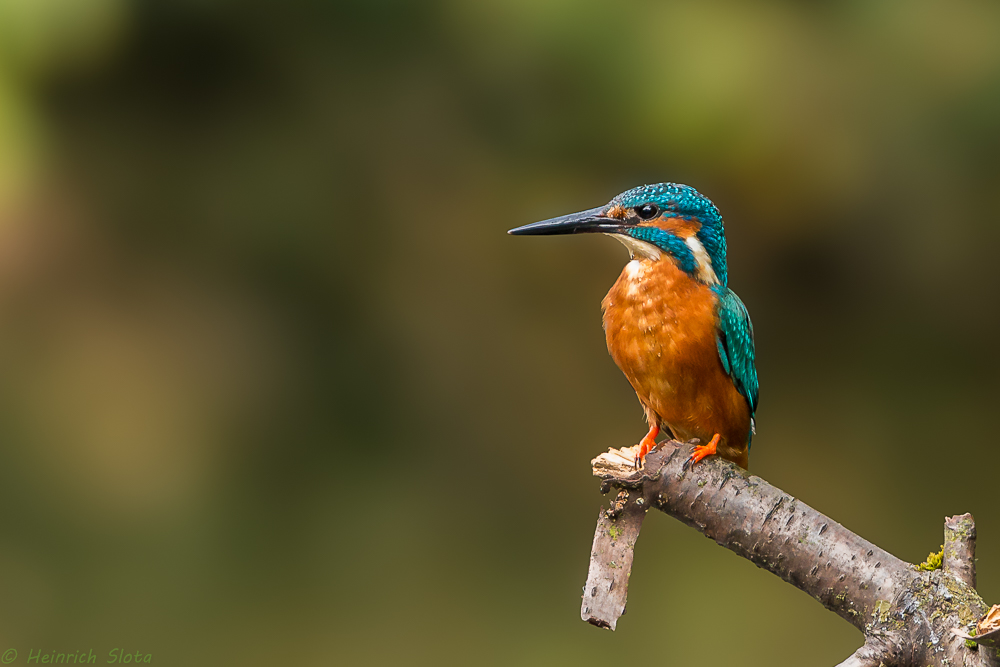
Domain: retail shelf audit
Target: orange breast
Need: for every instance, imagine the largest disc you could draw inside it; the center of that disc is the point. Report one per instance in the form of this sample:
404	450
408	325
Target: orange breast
661	331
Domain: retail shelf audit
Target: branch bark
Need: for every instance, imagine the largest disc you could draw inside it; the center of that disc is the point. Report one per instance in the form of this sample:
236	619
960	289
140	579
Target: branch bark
905	614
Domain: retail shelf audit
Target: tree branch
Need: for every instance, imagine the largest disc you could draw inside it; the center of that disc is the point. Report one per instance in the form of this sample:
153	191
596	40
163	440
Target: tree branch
906	615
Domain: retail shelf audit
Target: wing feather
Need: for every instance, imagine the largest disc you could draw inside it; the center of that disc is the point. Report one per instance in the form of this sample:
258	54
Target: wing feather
736	346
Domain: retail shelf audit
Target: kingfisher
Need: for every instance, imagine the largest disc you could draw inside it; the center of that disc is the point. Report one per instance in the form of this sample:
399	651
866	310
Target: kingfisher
679	334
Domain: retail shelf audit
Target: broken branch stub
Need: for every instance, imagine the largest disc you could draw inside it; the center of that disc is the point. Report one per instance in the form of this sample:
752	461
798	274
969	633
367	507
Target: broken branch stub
605	593
959	556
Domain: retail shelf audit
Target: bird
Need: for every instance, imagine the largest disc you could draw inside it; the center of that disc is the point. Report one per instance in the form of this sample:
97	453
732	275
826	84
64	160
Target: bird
682	338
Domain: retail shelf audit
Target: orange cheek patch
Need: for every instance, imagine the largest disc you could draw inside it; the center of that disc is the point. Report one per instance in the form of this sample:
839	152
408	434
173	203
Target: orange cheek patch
679	227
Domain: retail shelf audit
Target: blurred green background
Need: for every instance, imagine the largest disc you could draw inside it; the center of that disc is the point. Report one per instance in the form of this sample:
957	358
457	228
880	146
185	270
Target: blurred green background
277	389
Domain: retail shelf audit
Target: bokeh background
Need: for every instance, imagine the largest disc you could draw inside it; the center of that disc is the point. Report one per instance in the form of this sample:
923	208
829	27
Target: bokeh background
277	389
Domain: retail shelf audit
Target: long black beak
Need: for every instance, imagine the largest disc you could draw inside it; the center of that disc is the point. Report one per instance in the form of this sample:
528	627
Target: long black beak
593	220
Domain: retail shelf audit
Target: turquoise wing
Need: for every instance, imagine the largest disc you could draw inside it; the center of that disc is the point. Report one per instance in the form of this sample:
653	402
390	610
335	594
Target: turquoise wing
736	350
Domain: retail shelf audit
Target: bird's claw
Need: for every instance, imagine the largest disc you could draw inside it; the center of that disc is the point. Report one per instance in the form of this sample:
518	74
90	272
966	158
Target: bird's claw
702	451
640	456
646	446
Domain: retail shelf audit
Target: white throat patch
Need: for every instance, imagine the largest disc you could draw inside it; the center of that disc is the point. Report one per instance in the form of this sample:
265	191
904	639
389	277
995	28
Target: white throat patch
640	248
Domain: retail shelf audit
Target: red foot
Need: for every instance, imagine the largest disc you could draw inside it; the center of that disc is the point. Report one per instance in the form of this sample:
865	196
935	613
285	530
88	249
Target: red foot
647	444
701	451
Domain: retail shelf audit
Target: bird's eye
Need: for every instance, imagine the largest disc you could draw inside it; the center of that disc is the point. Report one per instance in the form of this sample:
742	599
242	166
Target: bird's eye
647	211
